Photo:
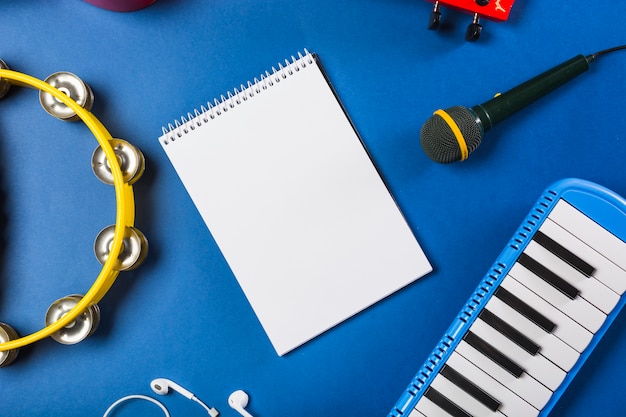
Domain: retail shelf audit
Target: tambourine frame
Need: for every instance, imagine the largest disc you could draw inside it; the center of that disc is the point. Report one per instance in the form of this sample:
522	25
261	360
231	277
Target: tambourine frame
125	209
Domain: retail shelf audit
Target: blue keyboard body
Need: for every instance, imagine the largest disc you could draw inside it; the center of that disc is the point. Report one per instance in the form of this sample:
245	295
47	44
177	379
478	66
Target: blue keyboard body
537	314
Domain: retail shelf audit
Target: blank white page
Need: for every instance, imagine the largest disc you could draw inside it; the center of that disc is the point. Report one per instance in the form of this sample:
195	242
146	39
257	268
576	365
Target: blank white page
295	204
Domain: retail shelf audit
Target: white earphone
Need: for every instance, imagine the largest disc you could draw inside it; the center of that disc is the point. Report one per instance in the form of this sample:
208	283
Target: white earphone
238	401
162	386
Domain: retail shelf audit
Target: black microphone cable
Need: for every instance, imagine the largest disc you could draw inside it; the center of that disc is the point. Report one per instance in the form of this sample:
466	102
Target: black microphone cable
606	51
453	134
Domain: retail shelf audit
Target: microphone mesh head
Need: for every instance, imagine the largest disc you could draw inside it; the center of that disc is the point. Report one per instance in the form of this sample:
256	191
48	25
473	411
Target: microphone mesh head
438	140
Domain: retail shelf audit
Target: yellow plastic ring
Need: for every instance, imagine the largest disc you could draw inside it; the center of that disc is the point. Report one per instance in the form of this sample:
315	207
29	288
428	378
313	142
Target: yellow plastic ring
456	131
125	206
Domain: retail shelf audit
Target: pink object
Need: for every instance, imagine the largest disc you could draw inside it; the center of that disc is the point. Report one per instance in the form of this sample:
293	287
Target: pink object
121	5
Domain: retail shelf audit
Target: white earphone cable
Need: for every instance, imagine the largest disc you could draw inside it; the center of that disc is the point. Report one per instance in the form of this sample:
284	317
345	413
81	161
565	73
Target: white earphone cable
137	397
212	411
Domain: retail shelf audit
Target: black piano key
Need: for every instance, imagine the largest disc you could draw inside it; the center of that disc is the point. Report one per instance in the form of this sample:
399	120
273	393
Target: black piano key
563	253
494	354
445	404
550	277
524	309
469	387
509	331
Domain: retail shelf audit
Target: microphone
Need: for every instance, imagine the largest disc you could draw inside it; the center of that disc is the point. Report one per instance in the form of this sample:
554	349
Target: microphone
453	134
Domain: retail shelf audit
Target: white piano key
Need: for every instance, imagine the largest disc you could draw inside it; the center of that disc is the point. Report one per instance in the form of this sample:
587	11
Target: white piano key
462	398
578	309
566	329
415	413
536	366
607	272
592	290
552	348
520	397
590	232
429	408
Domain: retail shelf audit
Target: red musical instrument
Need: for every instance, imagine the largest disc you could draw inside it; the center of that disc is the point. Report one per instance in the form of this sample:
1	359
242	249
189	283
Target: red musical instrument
497	10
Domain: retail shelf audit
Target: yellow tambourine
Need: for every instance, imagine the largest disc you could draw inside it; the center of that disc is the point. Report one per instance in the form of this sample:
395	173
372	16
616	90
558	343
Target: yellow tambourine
119	247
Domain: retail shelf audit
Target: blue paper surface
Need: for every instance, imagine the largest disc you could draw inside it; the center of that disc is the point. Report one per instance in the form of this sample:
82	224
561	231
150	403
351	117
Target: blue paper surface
182	315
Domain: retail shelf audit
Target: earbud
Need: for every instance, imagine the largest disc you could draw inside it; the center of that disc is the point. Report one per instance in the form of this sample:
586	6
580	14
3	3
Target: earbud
238	400
162	386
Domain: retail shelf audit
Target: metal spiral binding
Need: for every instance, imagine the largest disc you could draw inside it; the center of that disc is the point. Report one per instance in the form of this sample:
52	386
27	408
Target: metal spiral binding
238	96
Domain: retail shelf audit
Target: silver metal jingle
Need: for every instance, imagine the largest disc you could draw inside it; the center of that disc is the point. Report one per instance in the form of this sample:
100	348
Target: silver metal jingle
79	329
5	85
131	160
134	248
7	333
74	88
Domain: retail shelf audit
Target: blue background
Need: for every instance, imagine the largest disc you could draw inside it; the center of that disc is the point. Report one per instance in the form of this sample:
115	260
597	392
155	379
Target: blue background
182	315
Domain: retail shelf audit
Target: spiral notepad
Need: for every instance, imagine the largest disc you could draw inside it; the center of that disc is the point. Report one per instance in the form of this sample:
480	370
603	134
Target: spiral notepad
294	202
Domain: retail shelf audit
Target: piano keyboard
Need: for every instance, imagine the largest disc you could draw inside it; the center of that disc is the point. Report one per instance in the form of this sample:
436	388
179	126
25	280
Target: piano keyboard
535	317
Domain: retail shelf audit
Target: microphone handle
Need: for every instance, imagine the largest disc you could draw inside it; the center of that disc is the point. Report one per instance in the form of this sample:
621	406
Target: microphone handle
505	104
